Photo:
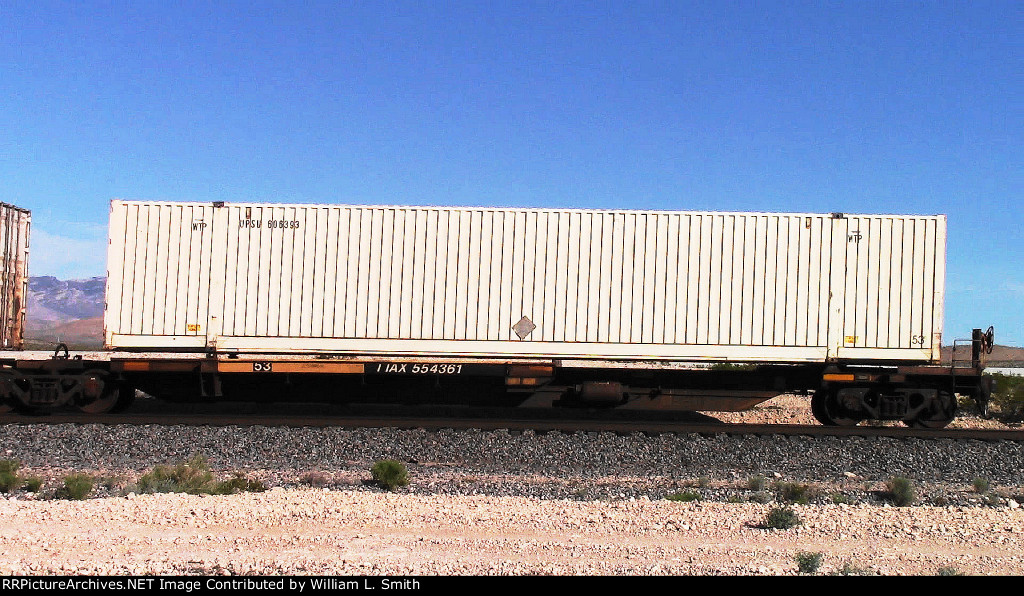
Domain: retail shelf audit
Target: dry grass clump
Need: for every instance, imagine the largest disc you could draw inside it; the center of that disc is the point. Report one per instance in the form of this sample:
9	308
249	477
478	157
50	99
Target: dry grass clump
194	477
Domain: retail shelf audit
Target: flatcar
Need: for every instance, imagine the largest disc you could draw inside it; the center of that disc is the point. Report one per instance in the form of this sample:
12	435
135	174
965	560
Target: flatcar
525	307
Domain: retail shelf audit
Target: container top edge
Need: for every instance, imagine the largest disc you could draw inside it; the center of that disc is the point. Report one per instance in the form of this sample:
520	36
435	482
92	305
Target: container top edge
517	209
15	207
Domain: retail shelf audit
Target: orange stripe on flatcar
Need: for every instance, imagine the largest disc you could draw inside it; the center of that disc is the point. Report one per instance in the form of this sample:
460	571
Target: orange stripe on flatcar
838	377
153	366
530	371
272	366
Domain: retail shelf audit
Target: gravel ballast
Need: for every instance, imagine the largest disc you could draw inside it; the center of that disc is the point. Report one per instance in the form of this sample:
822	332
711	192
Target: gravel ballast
442	460
509	502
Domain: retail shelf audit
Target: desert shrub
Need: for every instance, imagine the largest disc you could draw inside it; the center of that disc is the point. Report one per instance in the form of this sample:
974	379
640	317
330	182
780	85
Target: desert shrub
761	497
808	562
782	518
192	476
685	496
793	492
158	480
9	479
1007	399
76	487
390	474
756	483
980	485
948	572
901	491
239	484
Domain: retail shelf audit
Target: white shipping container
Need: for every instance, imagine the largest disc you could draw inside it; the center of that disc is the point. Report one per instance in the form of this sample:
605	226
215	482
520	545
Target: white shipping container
559	283
15	224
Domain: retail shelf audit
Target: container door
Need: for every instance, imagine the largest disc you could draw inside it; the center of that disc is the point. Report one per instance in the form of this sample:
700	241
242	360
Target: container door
159	274
890	301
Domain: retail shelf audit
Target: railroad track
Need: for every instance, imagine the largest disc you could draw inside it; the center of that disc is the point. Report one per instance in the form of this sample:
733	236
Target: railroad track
462	418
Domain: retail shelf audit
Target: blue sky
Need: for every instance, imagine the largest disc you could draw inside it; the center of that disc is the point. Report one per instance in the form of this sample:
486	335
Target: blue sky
859	107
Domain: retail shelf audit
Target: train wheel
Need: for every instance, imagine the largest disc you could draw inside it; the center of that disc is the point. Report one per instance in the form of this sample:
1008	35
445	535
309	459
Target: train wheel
827	410
939	415
107	394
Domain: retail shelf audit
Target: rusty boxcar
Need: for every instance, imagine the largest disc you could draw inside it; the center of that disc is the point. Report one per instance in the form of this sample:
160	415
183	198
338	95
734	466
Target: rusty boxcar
14	236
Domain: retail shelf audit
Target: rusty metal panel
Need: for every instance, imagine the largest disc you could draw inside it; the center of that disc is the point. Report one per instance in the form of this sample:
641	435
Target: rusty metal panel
15	226
525	282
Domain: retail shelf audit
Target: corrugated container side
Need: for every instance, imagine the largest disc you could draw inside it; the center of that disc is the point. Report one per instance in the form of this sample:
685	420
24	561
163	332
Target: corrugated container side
526	282
15	224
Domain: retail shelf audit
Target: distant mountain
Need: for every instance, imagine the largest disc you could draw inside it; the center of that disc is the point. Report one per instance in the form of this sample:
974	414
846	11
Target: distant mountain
54	300
68	311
